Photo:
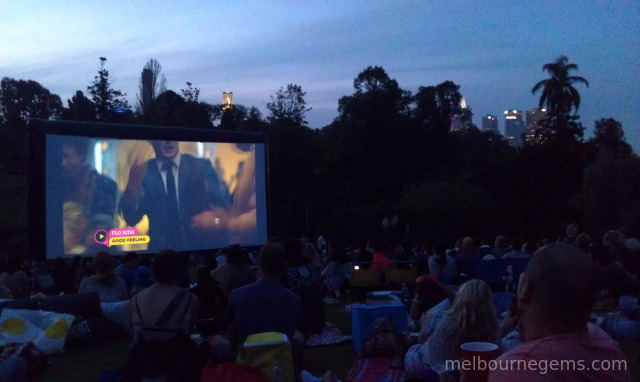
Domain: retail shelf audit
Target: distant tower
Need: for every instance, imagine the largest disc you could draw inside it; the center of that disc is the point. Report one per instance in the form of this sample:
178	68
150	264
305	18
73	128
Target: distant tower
227	100
490	123
534	116
462	119
513	127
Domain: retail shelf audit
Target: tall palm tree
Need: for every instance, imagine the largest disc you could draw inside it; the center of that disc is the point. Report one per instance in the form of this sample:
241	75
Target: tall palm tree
558	94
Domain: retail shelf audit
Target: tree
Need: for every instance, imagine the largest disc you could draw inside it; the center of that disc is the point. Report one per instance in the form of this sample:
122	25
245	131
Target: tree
19	101
109	102
152	84
170	109
80	108
369	137
288	104
190	93
610	136
560	98
232	116
609	197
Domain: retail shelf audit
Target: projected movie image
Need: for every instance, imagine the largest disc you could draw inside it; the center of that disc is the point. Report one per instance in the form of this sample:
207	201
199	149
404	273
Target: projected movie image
137	195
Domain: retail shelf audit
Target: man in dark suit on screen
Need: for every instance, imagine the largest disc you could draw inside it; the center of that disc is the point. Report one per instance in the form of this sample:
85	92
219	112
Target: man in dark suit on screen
183	197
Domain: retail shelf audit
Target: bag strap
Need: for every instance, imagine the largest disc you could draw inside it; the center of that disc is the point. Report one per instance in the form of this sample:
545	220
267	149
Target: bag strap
138	310
171	308
186	308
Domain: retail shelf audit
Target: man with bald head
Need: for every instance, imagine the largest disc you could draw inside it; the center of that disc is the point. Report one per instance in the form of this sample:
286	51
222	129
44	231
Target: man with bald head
555	296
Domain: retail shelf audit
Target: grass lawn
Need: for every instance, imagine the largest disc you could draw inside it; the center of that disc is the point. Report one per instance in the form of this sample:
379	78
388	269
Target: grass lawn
84	363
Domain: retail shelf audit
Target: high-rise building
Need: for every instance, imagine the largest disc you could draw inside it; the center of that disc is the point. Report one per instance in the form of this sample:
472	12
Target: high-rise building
463	119
513	127
534	116
227	100
490	123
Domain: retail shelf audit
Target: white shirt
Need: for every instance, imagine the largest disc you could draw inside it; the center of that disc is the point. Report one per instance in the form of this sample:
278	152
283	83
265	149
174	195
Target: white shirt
176	161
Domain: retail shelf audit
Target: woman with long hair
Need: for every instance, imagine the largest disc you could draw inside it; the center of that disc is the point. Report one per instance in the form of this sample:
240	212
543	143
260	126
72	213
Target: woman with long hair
109	287
472	318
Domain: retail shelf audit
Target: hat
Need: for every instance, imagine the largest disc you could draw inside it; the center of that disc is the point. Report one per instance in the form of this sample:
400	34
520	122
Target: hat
633	244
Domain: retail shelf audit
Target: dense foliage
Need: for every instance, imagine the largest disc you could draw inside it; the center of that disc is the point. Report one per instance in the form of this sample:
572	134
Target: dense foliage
390	154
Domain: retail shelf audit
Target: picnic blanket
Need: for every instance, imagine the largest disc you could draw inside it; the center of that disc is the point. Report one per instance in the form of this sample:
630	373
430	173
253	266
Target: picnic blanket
47	330
330	335
388	369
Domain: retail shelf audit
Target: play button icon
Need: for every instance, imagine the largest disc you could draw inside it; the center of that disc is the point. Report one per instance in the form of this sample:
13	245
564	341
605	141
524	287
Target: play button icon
101	237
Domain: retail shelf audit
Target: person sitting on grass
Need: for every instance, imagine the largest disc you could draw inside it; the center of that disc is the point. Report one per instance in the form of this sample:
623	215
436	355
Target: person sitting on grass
234	273
172	311
15	279
556	294
149	304
516	250
127	269
429	293
264	306
440	261
471	318
337	273
109	287
302	279
380	260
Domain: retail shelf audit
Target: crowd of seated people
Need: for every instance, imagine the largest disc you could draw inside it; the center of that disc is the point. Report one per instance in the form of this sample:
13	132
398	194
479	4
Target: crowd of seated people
291	271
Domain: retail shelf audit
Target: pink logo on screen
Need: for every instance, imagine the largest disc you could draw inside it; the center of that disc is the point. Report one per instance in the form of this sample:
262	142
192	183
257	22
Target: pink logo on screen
102	236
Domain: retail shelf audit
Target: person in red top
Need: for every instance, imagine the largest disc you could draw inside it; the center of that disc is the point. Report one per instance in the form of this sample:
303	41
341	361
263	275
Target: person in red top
380	261
555	296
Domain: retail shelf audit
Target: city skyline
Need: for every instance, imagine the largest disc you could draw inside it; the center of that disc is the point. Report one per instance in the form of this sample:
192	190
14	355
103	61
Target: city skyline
258	48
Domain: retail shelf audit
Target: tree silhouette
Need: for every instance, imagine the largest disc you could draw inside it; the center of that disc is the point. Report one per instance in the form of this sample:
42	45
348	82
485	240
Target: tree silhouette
560	98
80	108
610	136
19	101
152	84
109	102
288	104
190	93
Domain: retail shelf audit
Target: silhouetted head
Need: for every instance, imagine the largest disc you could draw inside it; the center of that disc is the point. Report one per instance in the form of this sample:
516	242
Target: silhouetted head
14	264
165	266
295	252
130	259
340	256
271	260
583	241
516	244
557	291
235	256
500	242
103	263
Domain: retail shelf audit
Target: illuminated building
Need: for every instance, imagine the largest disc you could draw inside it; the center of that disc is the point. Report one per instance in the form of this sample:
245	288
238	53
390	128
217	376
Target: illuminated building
490	123
513	127
463	119
227	100
534	116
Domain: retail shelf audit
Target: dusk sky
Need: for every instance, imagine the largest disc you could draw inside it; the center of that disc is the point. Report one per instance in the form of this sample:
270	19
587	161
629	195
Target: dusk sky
494	50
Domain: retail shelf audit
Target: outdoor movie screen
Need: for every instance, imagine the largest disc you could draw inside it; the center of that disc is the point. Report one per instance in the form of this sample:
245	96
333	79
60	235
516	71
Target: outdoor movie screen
141	195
